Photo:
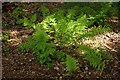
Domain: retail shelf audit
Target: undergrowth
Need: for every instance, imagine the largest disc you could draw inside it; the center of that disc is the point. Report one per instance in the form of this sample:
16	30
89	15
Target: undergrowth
66	28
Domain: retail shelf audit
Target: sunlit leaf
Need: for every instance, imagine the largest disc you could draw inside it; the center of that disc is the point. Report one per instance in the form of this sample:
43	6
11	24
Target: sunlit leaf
26	22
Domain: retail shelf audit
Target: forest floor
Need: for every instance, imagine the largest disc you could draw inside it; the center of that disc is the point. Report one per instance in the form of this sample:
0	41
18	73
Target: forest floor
23	65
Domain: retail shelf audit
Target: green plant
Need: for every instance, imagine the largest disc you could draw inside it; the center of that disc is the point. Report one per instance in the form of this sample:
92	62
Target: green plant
5	48
94	31
44	10
96	58
5	36
65	29
24	18
71	64
18	14
61	55
38	45
28	22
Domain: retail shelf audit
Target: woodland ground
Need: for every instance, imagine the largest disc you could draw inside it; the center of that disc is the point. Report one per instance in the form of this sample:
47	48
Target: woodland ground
23	65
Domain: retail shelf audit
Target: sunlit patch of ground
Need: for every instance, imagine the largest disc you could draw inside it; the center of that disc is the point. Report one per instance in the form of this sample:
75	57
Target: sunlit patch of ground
107	40
16	37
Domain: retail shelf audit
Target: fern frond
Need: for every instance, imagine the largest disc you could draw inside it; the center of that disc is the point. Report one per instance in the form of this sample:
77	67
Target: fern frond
96	58
71	64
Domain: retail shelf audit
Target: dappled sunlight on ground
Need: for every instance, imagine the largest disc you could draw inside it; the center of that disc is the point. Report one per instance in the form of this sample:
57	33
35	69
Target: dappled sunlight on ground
17	36
106	40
